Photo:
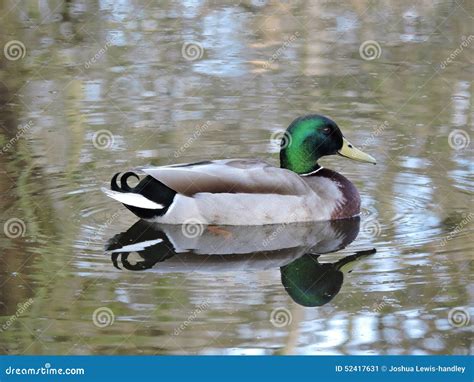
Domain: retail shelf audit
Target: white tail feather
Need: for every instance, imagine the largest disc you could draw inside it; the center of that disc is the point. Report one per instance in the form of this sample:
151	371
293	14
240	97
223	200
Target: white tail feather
132	199
137	247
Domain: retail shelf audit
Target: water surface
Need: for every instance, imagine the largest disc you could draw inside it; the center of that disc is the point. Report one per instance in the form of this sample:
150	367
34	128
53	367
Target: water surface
99	87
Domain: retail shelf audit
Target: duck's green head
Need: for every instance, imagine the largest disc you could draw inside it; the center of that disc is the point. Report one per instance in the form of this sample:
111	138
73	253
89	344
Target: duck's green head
311	137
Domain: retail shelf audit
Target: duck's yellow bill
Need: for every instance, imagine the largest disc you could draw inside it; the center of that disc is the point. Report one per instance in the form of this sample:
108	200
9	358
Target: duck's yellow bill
348	150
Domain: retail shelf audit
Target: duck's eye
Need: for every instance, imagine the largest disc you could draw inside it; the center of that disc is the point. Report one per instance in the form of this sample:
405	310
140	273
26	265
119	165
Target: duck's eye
326	130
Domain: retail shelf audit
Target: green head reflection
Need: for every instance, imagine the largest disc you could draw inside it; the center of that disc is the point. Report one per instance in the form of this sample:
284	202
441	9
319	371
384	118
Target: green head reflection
310	283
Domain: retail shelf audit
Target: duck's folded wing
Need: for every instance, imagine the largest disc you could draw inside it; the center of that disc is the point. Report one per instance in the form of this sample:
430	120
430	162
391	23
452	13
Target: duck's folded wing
229	176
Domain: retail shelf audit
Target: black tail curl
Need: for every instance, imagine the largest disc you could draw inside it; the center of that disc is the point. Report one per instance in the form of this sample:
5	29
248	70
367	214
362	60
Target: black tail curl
124	187
150	188
149	256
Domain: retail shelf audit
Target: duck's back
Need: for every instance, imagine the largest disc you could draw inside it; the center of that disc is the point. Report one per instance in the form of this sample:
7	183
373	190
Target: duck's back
235	176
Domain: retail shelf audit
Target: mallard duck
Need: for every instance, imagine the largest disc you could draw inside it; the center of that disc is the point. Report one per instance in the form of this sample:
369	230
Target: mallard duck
250	191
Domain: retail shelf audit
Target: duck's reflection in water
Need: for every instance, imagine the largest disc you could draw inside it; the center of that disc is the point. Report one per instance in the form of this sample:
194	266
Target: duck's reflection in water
294	248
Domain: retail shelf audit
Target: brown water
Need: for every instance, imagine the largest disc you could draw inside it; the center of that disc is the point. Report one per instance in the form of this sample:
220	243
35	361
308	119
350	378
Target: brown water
98	87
